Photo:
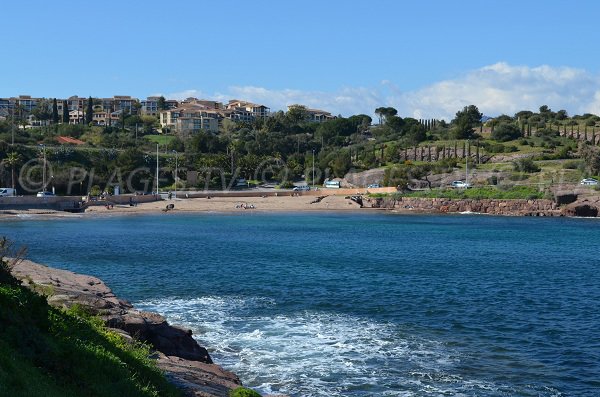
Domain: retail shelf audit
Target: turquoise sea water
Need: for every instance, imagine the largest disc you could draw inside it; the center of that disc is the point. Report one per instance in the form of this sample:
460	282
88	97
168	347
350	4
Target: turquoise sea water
358	304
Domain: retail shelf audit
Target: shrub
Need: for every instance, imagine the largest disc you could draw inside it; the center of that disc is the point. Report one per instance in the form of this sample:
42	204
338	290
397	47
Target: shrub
285	185
572	164
526	165
243	392
506	132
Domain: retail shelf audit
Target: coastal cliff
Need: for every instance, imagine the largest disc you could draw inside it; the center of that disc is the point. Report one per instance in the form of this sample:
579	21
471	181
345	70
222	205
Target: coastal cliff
185	363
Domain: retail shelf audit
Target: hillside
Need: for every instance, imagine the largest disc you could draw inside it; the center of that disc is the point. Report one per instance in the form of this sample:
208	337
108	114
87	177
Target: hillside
48	352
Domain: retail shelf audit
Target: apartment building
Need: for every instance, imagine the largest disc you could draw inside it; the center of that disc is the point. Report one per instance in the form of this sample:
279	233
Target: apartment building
149	106
314	115
190	118
22	102
257	111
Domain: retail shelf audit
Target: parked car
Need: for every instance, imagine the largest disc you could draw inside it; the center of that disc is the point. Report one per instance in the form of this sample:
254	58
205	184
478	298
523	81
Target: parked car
589	182
374	186
460	184
303	188
44	194
7	191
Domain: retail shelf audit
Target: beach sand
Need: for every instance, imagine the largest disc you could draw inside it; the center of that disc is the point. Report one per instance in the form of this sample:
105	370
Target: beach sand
236	204
214	204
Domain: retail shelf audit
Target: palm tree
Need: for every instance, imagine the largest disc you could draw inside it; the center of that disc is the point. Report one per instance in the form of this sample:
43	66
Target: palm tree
13	159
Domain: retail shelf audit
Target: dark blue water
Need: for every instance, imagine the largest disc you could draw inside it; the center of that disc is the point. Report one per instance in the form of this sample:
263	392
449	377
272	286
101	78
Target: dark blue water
359	305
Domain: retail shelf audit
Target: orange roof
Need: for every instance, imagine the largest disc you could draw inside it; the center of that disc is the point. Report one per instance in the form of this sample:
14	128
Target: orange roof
68	139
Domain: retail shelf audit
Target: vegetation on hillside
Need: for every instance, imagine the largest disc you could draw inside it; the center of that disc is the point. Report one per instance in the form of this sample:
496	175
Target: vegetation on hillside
285	146
48	352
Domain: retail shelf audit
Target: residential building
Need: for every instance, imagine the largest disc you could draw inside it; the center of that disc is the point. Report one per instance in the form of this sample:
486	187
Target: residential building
22	102
203	102
319	116
125	103
149	106
257	111
314	115
76	103
76	117
26	102
190	118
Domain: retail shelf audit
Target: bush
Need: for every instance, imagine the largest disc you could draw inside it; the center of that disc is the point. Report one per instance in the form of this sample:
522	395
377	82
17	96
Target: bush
506	132
572	164
526	165
285	185
243	392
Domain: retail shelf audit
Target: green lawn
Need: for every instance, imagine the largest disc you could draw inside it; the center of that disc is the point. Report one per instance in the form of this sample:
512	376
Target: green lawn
160	139
484	192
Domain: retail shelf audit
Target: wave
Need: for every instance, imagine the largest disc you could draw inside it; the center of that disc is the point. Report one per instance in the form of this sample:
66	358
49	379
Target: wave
318	354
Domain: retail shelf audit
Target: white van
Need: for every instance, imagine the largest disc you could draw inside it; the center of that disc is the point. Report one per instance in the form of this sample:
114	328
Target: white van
7	191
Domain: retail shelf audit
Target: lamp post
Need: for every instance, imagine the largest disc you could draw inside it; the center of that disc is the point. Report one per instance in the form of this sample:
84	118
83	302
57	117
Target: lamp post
313	168
176	177
157	170
43	168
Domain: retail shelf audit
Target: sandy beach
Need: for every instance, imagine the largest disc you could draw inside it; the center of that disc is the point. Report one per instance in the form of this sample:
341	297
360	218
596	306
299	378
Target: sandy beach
235	204
214	204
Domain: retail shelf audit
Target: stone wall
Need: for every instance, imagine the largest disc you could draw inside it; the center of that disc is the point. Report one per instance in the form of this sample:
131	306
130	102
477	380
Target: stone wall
538	207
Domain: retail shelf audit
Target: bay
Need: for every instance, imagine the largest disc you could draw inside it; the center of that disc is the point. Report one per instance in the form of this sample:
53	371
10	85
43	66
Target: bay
336	304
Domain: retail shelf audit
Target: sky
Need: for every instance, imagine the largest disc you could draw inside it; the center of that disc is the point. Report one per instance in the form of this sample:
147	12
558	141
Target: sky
426	58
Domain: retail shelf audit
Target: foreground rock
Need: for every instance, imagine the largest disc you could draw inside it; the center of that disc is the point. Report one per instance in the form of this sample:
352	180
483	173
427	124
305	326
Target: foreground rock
186	363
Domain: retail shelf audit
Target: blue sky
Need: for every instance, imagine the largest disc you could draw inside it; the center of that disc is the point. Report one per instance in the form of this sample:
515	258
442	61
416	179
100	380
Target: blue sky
426	58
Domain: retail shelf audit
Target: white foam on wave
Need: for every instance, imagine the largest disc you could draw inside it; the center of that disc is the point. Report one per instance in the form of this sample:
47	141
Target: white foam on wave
318	353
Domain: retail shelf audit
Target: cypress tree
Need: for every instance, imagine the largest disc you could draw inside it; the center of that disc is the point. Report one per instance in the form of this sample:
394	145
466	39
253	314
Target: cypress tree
54	112
65	113
89	113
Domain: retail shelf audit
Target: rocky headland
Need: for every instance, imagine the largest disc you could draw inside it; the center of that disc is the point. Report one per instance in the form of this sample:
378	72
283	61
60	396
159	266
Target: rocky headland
185	363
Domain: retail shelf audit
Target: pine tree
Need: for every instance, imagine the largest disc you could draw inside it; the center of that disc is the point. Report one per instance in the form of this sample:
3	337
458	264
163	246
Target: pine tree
54	112
65	112
89	113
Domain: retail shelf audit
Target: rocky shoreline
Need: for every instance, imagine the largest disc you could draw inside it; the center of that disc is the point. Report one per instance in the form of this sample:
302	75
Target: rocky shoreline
569	205
185	363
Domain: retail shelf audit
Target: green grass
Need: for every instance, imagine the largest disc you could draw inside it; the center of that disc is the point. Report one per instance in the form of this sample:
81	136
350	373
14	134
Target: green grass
487	192
48	352
160	139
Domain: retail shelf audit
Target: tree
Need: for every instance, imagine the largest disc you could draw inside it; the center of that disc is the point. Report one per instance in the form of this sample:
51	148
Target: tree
296	114
65	112
341	164
89	112
54	112
42	110
13	159
162	103
506	132
591	157
465	122
385	113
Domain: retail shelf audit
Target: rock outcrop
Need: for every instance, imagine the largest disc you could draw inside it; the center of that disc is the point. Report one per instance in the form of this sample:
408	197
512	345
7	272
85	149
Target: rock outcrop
186	363
538	207
587	207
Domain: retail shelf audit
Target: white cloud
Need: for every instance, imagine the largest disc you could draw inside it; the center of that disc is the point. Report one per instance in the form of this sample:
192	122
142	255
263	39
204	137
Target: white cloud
494	89
502	88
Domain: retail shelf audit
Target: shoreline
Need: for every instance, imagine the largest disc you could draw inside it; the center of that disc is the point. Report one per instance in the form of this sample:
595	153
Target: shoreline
584	207
185	362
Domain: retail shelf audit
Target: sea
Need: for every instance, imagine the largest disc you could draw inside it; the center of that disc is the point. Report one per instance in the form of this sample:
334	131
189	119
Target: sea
357	304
